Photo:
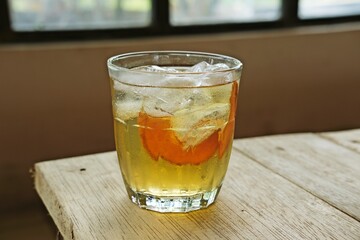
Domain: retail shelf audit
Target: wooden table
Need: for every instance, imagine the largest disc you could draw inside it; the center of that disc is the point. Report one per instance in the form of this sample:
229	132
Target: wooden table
296	186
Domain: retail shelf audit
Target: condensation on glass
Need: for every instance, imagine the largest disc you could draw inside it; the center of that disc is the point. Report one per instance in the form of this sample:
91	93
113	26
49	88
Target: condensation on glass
48	15
184	12
328	8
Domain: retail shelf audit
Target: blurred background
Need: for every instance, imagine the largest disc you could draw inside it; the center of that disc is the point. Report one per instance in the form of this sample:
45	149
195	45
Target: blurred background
301	74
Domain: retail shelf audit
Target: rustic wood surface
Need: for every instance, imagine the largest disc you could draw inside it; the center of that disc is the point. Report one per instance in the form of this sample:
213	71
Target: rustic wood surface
298	186
349	139
324	168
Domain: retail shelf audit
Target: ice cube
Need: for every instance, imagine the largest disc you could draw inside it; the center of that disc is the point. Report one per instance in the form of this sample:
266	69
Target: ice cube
154	68
194	125
212	74
162	94
128	109
156	102
181	81
170	100
176	76
206	67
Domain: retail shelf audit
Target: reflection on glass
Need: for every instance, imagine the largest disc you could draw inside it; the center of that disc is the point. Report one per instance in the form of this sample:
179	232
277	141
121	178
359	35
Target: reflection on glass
43	15
328	8
187	12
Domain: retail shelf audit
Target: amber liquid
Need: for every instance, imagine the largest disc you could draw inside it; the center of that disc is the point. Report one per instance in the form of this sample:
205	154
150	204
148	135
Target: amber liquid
208	111
161	177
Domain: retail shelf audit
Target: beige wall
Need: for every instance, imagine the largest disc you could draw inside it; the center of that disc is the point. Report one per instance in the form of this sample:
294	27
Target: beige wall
55	102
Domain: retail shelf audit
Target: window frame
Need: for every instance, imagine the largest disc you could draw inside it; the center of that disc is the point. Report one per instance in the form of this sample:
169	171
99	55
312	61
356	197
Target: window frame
160	26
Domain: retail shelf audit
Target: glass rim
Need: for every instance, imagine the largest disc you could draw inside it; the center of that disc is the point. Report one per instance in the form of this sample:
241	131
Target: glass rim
237	63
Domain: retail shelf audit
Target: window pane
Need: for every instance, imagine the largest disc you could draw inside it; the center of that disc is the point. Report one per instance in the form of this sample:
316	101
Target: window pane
186	12
328	8
43	15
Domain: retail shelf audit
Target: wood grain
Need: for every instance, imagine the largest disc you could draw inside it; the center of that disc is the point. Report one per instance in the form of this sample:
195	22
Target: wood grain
349	139
87	200
324	168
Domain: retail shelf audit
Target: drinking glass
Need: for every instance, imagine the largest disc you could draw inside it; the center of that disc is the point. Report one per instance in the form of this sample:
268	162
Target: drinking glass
174	119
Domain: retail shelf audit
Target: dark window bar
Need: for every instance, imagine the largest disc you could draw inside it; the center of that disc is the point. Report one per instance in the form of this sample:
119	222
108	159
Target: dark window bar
160	26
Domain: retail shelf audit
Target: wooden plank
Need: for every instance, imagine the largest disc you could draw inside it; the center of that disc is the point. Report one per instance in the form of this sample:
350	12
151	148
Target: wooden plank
349	139
87	200
322	167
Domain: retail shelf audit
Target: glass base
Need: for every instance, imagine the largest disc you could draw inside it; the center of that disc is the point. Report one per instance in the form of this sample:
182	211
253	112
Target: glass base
172	204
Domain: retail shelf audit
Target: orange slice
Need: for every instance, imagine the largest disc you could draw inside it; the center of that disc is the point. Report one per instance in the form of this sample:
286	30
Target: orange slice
161	142
226	135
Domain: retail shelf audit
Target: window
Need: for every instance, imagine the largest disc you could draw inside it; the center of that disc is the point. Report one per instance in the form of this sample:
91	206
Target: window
184	12
47	20
328	8
45	15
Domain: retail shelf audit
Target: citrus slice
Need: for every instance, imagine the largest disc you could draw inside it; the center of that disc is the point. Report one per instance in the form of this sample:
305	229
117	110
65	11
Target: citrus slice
226	135
161	142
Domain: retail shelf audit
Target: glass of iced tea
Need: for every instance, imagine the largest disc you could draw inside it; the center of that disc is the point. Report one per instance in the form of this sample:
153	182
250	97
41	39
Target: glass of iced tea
174	120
